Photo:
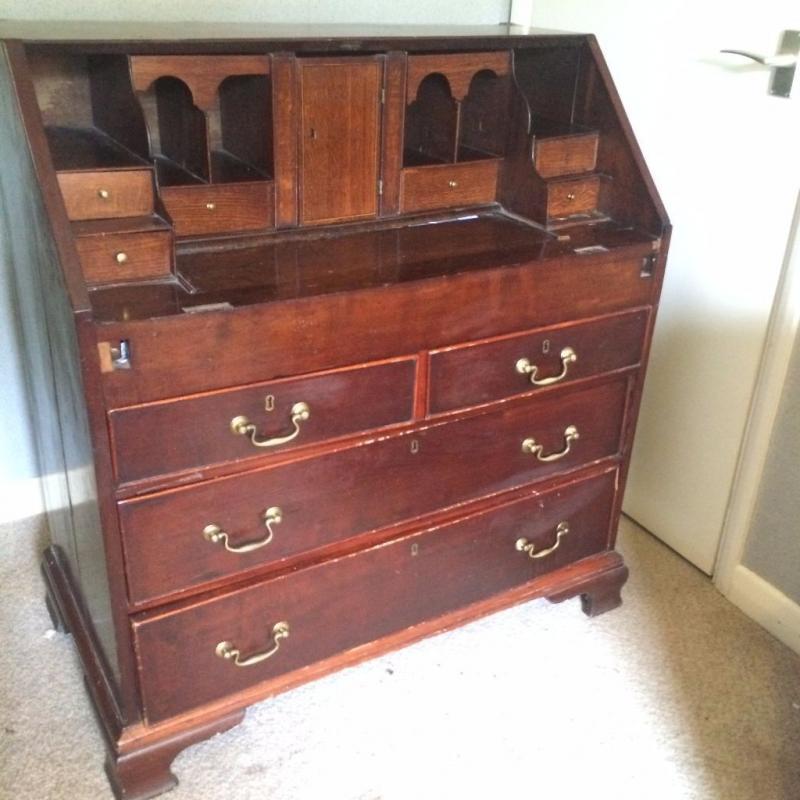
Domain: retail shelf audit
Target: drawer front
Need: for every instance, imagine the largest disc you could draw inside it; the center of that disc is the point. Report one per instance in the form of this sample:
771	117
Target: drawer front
566	155
107	194
226	208
118	257
480	373
347	602
197	431
565	198
326	499
449	185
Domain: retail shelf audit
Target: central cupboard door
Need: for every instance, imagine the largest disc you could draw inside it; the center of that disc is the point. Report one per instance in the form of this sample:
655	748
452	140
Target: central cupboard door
339	138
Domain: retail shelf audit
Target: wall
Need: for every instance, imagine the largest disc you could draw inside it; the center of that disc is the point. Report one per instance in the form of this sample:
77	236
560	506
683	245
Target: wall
20	495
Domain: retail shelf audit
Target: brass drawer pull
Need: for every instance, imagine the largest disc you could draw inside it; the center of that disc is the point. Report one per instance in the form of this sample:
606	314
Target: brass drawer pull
524	546
229	652
215	534
243	427
534	448
524	367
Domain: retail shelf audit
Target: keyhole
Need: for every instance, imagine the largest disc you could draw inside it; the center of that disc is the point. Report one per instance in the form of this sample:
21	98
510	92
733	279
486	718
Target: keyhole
269	403
415	446
546	346
414	549
312	134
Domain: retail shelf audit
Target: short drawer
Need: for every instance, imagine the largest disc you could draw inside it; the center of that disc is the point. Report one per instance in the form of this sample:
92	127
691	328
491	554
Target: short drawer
472	374
223	208
107	194
172	539
577	196
119	257
314	613
260	419
447	185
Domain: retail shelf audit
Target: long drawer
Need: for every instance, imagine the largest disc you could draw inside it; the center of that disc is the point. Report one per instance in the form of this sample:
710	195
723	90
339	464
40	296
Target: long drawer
471	374
173	540
306	616
197	431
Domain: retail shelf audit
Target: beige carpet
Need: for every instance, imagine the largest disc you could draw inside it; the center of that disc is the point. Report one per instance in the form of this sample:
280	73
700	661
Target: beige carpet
675	696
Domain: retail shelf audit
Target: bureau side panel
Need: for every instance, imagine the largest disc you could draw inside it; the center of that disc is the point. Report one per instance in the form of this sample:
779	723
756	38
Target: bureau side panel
49	335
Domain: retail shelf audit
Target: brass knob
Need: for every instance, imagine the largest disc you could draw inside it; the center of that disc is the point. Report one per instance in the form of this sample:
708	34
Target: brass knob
211	206
452	184
121	258
571	196
103	194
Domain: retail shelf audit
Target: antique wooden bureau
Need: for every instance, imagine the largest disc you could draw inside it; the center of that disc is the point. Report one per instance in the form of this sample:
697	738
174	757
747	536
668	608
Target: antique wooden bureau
335	340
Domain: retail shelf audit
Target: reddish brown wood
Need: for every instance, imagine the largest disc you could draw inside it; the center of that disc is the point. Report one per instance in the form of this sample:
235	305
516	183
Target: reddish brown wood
113	193
466	562
555	156
339	139
481	372
598	593
330	498
285	114
170	355
144	773
567	196
202	75
219	209
394	93
249	307
190	433
119	257
458	68
452	185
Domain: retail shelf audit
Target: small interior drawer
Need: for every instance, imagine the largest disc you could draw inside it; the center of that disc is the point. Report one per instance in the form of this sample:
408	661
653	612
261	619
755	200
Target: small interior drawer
105	194
566	155
119	257
260	419
321	610
482	372
448	185
222	208
574	196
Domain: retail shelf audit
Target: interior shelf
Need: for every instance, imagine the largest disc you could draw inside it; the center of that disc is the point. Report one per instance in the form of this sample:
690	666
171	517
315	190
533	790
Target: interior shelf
88	149
228	168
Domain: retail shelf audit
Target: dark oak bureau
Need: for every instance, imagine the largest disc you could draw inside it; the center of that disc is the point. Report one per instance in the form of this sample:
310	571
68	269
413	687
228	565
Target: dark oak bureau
335	340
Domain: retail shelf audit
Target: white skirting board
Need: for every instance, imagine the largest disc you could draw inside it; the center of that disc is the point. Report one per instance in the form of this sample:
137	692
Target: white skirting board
769	607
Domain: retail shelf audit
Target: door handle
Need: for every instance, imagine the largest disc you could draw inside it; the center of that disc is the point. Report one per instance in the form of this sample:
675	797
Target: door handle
783	64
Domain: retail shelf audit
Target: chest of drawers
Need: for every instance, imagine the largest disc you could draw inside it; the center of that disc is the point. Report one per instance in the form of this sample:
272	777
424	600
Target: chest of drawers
334	343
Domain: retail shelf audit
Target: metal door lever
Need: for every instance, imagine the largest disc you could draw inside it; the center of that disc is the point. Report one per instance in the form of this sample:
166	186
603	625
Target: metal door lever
783	64
767	61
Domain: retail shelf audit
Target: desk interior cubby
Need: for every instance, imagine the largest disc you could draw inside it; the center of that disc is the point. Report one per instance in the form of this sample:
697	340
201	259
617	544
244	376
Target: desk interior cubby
209	119
456	108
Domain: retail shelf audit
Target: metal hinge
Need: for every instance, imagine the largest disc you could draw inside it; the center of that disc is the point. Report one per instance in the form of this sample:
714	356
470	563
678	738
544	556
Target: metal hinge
114	357
380	187
383	96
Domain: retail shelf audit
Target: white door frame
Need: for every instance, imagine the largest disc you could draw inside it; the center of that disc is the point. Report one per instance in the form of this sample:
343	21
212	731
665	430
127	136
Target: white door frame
755	596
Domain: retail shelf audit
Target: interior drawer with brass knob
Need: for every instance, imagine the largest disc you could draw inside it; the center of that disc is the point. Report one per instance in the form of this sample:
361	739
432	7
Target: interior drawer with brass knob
107	194
115	256
492	369
448	185
230	425
192	536
220	208
233	641
567	197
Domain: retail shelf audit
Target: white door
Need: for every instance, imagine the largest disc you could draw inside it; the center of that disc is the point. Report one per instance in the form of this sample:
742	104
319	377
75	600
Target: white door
726	158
